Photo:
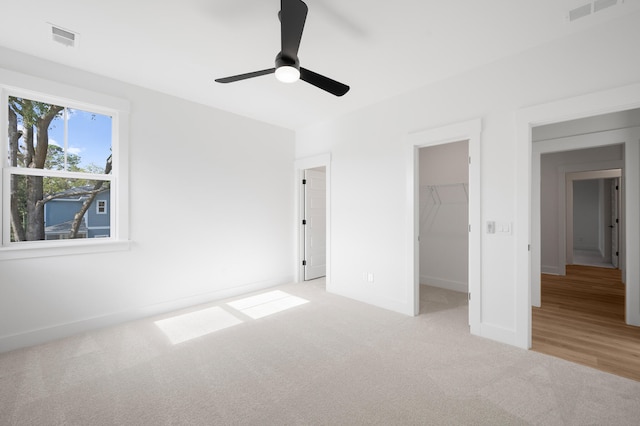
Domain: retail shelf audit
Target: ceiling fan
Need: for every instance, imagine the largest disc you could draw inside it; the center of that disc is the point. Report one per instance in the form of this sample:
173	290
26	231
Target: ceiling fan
292	15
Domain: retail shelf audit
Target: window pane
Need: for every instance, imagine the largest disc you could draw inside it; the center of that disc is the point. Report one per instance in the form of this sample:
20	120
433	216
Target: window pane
46	136
89	142
53	208
34	127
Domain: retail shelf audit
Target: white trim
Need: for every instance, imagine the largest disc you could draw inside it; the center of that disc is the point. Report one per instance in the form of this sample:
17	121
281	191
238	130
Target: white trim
444	283
566	255
619	99
300	165
468	130
16	84
27	171
31	249
567	230
56	93
98	207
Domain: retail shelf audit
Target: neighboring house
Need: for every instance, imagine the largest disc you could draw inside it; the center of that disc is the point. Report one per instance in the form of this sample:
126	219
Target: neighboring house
59	214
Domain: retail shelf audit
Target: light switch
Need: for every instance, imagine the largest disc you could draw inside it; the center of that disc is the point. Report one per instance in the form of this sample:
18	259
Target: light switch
491	227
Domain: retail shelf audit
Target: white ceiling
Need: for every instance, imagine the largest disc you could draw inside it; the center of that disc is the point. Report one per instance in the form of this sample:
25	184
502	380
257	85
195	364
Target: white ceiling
379	48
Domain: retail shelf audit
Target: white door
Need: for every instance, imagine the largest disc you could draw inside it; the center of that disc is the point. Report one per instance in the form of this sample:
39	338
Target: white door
314	224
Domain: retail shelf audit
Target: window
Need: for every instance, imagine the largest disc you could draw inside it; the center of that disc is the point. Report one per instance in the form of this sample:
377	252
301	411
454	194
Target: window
63	167
101	207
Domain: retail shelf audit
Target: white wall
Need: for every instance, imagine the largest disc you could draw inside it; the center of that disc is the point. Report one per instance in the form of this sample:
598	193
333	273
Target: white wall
211	215
444	216
367	149
586	215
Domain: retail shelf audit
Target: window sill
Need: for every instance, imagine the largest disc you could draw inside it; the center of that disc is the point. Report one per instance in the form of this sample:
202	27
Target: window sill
28	250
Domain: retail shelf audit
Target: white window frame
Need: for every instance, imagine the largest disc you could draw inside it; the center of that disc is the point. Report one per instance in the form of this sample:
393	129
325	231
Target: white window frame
98	207
24	86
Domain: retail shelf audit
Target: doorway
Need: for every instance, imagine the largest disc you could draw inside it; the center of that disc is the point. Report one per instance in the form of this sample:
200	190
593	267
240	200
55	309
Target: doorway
322	164
465	131
579	215
594	219
527	226
444	220
314	227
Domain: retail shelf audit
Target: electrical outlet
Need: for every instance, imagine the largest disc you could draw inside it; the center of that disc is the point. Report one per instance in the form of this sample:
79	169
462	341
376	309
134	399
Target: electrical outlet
370	277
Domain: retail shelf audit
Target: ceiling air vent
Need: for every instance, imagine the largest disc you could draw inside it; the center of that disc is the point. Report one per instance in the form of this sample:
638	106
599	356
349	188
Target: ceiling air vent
591	7
63	36
580	12
598	5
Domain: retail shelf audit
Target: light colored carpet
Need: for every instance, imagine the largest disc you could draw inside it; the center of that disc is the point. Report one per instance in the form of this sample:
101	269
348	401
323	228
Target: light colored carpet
330	361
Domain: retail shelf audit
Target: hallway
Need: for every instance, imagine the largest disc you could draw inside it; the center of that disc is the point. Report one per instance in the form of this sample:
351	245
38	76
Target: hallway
582	320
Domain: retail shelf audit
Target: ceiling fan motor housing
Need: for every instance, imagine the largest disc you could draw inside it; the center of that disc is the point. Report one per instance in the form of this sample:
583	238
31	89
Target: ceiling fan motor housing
285	61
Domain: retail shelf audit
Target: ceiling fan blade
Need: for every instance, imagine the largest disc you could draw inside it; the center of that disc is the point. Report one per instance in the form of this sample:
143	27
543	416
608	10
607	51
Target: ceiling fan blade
245	76
322	82
293	14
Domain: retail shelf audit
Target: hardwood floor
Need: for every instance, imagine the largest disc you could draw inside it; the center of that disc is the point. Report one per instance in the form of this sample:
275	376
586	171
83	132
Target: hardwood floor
582	320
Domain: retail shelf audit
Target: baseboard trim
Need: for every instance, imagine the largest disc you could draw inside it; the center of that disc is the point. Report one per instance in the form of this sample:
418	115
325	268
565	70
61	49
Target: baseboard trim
47	334
499	334
551	270
443	283
399	306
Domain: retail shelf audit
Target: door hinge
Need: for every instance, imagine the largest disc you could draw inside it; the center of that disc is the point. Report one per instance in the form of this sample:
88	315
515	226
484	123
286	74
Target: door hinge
469	160
528	247
617	221
469	294
617	187
617	253
304	221
304	181
304	263
469	228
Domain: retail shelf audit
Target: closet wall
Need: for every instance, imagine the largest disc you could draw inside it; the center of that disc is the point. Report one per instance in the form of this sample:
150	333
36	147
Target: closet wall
444	211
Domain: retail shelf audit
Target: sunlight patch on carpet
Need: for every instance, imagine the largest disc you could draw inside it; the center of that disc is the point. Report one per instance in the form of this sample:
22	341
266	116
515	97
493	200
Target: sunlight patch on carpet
181	328
266	304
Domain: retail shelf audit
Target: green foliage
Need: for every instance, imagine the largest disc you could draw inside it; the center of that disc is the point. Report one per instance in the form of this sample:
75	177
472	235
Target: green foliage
29	111
55	160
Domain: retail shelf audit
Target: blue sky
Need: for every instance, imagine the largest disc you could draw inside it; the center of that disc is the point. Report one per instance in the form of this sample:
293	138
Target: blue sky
89	136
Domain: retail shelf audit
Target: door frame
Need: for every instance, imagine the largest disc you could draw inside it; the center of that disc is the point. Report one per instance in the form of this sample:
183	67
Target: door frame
308	229
470	131
569	179
563	171
300	165
527	223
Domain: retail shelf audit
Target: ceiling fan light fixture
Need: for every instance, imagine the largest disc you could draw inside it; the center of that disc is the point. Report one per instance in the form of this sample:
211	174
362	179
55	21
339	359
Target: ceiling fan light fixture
287	74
